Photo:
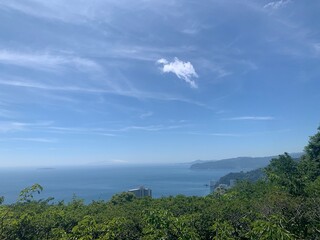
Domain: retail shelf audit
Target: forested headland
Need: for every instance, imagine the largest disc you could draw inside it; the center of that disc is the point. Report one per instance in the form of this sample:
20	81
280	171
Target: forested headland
285	204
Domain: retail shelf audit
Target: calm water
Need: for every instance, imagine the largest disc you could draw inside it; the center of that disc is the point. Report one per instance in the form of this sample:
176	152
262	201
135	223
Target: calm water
100	183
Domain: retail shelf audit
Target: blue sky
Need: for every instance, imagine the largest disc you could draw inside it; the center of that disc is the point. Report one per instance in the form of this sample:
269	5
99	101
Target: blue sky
144	81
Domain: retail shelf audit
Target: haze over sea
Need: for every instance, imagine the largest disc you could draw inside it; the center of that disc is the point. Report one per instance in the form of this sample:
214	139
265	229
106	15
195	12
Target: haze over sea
102	182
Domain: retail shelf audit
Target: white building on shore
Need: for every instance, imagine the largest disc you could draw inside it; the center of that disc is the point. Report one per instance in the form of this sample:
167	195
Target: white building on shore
141	192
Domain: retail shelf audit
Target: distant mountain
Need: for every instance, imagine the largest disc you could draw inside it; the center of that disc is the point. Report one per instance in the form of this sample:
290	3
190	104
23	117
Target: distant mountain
198	161
238	164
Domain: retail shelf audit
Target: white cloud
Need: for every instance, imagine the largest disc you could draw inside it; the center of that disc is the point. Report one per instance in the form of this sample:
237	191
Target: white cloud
225	135
66	11
183	70
151	128
11	126
27	83
85	131
6	113
162	61
45	61
20	126
111	161
119	161
316	46
40	140
276	4
109	132
253	118
146	114
216	134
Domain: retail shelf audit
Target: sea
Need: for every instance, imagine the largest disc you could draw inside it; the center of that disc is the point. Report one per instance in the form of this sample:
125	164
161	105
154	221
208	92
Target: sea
93	183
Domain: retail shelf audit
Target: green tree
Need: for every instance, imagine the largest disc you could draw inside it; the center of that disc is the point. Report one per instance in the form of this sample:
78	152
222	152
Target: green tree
27	194
121	228
161	224
122	198
86	229
283	171
310	164
270	229
222	231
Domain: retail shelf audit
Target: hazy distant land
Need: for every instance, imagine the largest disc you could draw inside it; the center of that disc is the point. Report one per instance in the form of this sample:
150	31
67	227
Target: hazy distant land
237	164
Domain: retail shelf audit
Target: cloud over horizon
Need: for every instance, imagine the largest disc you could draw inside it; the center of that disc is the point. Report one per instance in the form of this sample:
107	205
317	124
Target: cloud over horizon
183	70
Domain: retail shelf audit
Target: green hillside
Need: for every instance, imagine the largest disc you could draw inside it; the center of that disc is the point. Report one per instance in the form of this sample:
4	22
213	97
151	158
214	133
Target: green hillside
250	176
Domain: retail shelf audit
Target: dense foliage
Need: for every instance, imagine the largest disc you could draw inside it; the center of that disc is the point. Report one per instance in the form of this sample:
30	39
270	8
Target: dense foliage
250	176
285	205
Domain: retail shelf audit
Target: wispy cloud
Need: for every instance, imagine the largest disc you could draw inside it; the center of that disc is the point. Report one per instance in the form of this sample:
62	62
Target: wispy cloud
225	134
65	11
235	134
250	118
48	127
217	134
80	130
150	128
7	113
110	132
107	162
13	126
183	70
46	61
144	52
119	161
316	46
32	84
216	68
298	37
146	115
276	4
26	83
40	140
